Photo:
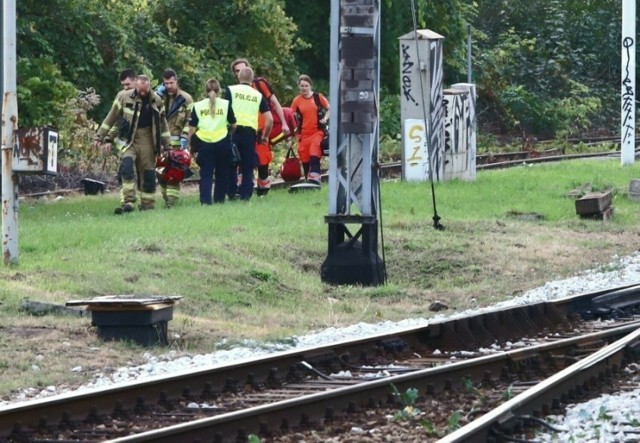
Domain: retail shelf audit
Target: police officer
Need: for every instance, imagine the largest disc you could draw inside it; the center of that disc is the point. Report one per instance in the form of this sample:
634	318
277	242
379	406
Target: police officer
210	121
247	104
142	134
177	105
280	121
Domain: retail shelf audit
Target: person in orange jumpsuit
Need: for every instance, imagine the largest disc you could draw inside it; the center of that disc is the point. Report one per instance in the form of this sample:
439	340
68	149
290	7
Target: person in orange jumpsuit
313	119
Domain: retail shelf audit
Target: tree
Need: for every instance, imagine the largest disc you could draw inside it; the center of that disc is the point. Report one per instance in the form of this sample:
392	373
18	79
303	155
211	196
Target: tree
219	32
541	55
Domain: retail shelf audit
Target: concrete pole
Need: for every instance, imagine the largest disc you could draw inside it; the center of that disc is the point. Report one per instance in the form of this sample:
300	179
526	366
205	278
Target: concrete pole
9	124
628	92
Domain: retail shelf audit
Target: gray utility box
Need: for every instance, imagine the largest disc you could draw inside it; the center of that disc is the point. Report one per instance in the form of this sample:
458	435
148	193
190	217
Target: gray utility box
142	320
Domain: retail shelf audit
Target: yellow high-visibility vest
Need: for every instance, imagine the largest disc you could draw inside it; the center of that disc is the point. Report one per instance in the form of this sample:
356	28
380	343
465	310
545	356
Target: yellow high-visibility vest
245	102
212	128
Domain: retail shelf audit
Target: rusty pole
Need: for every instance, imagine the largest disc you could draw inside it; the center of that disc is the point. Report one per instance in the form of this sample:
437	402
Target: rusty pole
9	124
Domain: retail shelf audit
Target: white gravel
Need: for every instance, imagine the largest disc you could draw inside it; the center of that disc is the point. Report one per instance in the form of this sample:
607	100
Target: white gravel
620	271
605	419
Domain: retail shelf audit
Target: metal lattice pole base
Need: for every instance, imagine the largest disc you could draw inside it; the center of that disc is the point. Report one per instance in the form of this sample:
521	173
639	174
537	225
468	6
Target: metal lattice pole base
353	259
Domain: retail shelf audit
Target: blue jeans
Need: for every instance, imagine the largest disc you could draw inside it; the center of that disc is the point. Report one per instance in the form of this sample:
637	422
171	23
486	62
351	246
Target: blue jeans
214	158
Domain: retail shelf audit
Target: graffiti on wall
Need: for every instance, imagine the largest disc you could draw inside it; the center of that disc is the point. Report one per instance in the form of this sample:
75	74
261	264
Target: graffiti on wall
415	150
471	132
435	126
460	132
455	135
628	96
406	68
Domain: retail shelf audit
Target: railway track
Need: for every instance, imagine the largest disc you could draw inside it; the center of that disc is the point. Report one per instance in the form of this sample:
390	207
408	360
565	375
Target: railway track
393	169
296	390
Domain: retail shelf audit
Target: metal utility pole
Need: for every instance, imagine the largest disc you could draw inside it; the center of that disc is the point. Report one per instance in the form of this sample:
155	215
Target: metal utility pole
469	56
628	92
354	187
9	124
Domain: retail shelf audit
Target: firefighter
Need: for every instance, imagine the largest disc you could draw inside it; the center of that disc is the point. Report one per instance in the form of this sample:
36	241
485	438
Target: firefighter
127	79
177	105
142	135
247	105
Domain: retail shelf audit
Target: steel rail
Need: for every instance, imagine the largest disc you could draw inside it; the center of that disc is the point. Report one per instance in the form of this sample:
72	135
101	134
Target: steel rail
544	393
387	169
265	418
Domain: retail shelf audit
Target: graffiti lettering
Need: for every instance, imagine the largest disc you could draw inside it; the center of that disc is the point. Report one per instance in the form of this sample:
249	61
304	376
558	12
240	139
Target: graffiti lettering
407	64
628	95
415	134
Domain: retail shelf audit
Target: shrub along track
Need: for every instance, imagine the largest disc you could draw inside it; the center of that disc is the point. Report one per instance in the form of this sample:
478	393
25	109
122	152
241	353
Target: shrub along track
464	364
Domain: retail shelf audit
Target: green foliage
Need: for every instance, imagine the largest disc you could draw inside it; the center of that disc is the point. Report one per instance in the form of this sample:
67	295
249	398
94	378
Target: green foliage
42	93
407	399
253	439
574	113
76	151
89	40
604	414
508	393
258	30
390	115
390	128
468	385
542	67
448	18
429	428
389	149
453	422
312	36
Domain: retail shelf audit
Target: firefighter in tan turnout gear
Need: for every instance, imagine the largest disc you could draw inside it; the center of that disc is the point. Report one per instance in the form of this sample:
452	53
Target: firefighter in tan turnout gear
178	105
142	135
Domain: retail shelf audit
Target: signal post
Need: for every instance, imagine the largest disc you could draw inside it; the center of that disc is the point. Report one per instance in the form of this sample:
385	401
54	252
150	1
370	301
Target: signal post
354	187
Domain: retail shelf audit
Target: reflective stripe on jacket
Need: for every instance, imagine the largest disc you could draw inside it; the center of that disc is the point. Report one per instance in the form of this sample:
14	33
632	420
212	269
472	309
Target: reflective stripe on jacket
126	106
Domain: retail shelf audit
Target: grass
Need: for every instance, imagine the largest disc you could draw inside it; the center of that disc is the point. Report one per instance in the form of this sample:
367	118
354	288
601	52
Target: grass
252	270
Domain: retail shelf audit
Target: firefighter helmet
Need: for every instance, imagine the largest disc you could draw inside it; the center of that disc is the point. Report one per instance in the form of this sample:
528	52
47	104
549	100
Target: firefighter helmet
181	157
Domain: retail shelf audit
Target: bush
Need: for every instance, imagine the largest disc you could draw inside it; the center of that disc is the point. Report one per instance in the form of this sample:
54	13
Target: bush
42	93
390	115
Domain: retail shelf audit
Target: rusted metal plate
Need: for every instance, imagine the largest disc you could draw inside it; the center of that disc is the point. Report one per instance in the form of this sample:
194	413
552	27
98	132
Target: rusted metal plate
36	151
125	300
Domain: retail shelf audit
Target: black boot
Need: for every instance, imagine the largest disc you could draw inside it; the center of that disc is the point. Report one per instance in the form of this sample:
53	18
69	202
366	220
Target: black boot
126	207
